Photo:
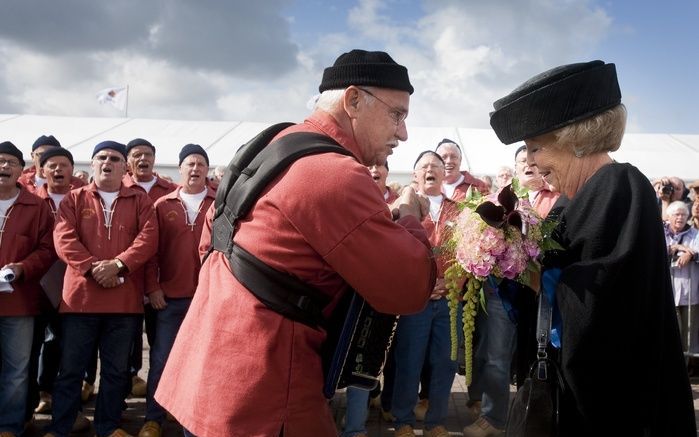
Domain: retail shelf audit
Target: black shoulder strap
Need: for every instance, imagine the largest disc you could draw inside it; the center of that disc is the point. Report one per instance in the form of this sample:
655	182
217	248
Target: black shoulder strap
253	167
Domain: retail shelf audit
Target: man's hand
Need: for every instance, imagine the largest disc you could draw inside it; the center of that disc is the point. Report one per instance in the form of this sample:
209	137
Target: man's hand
157	300
410	203
105	273
16	268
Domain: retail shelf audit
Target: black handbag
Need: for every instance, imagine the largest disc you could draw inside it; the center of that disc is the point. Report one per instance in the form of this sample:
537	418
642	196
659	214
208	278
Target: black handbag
534	411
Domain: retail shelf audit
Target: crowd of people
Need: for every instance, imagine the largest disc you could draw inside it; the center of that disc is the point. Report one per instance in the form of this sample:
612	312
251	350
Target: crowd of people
88	261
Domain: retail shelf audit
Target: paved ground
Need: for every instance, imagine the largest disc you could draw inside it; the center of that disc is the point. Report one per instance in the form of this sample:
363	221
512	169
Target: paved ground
376	426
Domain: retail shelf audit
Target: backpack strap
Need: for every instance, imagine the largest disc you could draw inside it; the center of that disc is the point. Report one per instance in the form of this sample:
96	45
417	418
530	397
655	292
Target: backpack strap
278	290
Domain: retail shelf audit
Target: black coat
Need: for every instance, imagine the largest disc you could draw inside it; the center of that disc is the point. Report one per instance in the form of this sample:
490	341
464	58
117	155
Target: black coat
621	355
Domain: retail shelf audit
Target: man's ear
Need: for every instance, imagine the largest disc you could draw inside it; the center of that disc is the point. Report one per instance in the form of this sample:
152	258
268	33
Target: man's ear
350	101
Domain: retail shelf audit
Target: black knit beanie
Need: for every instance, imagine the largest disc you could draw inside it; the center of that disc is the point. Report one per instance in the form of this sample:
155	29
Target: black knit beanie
56	151
193	149
45	141
360	67
10	149
138	142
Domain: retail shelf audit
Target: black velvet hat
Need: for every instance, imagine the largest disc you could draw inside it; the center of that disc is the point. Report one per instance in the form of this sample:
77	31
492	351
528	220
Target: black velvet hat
360	67
138	142
193	149
45	141
56	151
555	98
10	149
112	145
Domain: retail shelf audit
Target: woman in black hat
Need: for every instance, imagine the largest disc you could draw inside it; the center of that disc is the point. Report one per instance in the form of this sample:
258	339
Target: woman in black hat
620	351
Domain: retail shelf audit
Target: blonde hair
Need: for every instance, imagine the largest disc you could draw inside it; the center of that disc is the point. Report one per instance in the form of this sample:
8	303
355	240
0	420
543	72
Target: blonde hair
597	134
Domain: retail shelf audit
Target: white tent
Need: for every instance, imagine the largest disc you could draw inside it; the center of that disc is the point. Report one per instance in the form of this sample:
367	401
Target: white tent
655	155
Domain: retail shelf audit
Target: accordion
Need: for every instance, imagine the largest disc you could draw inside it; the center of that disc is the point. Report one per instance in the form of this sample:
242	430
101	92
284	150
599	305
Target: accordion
357	345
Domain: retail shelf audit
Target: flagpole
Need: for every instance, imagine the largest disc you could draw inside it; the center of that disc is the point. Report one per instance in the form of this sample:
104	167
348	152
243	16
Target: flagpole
126	107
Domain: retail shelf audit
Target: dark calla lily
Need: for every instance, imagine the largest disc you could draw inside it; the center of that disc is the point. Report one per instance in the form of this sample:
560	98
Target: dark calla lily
497	215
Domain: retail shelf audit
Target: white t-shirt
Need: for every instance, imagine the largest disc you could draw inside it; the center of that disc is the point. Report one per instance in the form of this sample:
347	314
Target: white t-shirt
57	198
108	199
5	206
435	205
148	185
192	203
39	181
449	188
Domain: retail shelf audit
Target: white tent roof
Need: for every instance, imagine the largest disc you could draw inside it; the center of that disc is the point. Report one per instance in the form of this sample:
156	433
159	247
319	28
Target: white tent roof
655	155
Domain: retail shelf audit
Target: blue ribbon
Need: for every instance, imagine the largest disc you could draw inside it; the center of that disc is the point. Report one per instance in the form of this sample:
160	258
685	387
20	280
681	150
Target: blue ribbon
549	282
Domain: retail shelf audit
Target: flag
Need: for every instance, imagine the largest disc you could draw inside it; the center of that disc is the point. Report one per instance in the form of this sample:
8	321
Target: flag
116	96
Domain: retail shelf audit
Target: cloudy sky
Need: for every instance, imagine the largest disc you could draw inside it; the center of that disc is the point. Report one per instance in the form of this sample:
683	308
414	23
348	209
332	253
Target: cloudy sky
262	60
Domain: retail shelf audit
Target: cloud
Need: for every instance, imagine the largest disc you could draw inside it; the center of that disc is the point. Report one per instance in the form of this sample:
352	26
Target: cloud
237	60
238	37
463	56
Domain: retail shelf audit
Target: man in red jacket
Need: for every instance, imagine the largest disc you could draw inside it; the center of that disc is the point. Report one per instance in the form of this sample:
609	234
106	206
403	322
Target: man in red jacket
457	182
172	279
140	162
239	368
26	253
105	234
33	177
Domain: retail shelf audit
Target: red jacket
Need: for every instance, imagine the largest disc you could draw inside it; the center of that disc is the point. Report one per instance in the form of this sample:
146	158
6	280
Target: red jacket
469	180
81	238
43	193
26	239
175	268
158	190
28	180
323	221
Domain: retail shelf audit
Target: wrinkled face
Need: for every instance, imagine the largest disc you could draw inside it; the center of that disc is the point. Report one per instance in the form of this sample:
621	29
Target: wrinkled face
528	176
193	171
695	208
57	170
429	174
452	161
678	220
379	173
141	160
378	123
504	177
10	169
554	164
36	156
108	167
83	176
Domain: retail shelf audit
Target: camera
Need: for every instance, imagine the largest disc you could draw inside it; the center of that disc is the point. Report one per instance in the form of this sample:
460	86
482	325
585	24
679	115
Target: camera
667	189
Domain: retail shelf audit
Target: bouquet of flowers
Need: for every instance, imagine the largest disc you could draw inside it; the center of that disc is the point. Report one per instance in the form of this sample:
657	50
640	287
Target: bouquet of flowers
498	239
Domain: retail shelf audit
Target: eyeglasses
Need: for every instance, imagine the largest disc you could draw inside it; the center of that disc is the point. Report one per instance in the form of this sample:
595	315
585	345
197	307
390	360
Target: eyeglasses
9	162
396	114
104	158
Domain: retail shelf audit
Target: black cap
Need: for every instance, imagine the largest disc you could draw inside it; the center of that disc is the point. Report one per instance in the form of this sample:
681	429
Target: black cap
448	141
554	99
138	142
193	149
11	149
360	67
113	145
56	151
45	141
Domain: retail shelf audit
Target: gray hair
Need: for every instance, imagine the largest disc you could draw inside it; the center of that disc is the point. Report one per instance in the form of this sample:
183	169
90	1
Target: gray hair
597	134
677	206
329	99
